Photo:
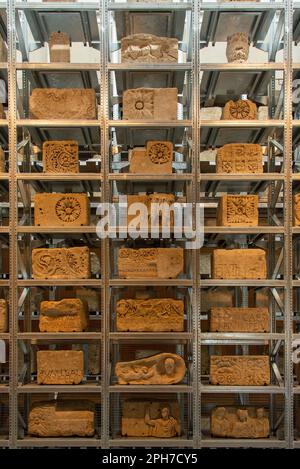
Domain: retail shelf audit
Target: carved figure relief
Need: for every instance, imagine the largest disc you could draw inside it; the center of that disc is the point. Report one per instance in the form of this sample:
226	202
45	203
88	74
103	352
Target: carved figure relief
148	48
242	109
150	103
237	50
61	263
245	422
231	319
239	264
59	367
240	370
240	158
68	315
60	156
61	209
238	210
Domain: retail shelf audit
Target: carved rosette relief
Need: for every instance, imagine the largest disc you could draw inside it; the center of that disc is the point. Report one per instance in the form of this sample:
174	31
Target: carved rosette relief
61	209
60	156
242	109
150	103
238	210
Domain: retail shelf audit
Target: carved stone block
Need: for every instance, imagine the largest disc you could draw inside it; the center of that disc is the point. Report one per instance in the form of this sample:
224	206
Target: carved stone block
242	370
245	422
239	320
164	368
150	418
61	209
59	47
296	210
62	419
240	158
3	316
2	161
156	158
148	48
150	262
158	208
68	315
211	113
59	367
60	156
153	315
62	103
239	264
242	109
150	103
263	113
64	263
238	210
237	50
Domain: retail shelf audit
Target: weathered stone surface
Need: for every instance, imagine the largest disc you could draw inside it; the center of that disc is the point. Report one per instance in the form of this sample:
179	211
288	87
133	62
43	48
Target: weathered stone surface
156	218
245	422
211	113
296	210
238	210
91	297
150	418
239	264
2	161
3	50
64	263
156	158
237	50
93	355
240	158
164	368
150	103
239	320
59	47
59	367
148	48
2	113
242	109
61	209
60	156
263	113
240	370
62	103
3	316
62	418
153	315
68	315
150	262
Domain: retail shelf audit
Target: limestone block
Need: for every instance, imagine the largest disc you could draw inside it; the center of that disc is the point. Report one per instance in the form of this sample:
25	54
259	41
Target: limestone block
244	422
152	315
60	367
2	161
61	209
240	370
263	113
240	158
213	113
62	418
150	262
61	263
3	316
150	418
60	156
148	48
239	264
59	47
238	210
68	315
241	109
150	103
159	209
296	210
237	50
239	320
208	155
156	158
62	103
164	368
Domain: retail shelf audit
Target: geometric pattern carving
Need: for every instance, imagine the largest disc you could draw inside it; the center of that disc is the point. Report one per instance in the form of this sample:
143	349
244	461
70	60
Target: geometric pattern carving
238	210
240	158
61	263
240	370
60	156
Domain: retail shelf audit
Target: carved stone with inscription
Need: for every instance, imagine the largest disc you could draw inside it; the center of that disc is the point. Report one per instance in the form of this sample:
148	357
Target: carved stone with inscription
150	104
150	418
245	422
238	210
155	158
61	263
60	367
68	315
2	160
150	262
3	316
164	368
239	319
159	208
59	47
296	210
240	158
242	109
62	419
237	50
60	156
239	264
240	370
152	315
61	209
62	103
147	48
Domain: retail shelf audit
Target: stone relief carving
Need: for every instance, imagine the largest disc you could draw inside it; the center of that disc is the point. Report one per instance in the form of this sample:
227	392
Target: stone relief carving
245	422
67	315
60	156
157	218
240	158
2	160
148	48
239	264
60	367
150	103
61	263
59	47
240	370
239	110
237	50
155	158
238	210
3	316
61	209
230	319
296	210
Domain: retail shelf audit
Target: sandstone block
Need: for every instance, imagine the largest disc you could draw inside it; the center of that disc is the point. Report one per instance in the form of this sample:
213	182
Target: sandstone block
150	103
240	158
150	262
242	109
239	264
61	209
156	158
68	315
211	113
62	103
245	422
60	367
237	50
61	263
240	370
60	156
153	315
238	210
164	368
296	210
2	161
59	47
159	209
3	316
239	320
148	48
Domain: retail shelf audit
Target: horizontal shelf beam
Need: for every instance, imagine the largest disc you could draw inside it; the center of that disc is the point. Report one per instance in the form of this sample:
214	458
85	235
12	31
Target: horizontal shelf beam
59	177
59	282
242	177
150	177
242	229
163	388
135	336
242	283
64	388
57	123
242	443
150	123
44	336
59	442
151	442
151	282
212	389
242	67
242	124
